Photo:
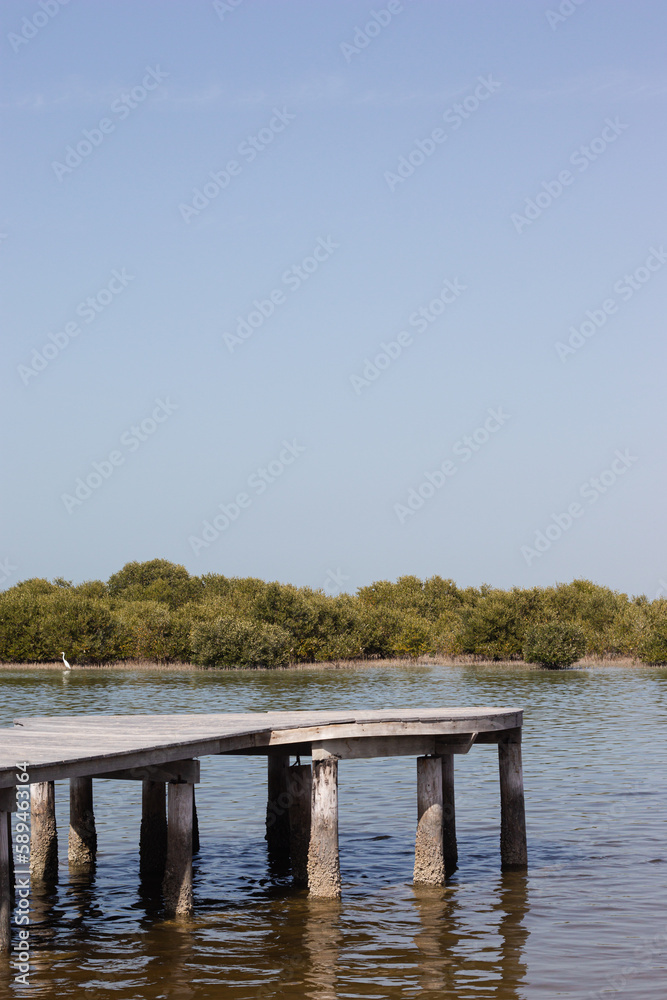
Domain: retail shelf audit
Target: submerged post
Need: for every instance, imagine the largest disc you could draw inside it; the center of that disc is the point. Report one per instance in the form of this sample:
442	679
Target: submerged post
82	845
323	859
429	854
43	833
449	845
153	832
277	808
177	884
513	848
300	793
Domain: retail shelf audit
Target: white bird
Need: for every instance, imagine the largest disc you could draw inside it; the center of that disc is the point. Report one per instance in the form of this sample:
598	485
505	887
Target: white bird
67	666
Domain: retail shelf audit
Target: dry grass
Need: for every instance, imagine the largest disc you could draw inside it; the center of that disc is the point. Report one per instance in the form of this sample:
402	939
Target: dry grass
448	661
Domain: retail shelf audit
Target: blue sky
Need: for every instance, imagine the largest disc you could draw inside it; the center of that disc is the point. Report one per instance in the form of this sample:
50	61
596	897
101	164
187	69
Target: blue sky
469	194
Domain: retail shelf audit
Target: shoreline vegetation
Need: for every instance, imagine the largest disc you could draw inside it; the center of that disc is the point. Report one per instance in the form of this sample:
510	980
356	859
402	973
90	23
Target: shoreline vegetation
586	663
156	614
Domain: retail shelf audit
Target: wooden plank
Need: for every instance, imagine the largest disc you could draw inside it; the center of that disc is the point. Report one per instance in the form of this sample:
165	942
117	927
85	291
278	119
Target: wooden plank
177	770
366	747
61	747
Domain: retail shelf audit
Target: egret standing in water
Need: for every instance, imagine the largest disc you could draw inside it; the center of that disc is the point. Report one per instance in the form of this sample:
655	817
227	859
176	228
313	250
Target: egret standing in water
67	666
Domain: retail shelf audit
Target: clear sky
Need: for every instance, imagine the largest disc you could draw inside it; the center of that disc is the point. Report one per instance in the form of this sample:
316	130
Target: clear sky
330	292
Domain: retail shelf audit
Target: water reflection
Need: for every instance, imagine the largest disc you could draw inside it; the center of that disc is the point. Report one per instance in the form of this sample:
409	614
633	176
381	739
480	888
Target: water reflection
178	943
593	895
444	939
322	939
512	907
438	937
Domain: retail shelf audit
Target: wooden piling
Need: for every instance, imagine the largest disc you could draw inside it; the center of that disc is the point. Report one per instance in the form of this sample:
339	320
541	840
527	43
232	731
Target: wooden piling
177	884
153	833
323	859
449	845
277	809
195	824
5	883
43	833
513	848
82	844
300	793
429	846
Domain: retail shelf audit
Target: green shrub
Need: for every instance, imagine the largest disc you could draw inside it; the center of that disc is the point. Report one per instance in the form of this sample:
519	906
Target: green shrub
230	641
554	644
155	580
414	638
495	626
143	630
652	644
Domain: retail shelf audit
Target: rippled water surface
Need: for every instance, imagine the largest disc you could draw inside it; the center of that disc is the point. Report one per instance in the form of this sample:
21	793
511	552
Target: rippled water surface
588	920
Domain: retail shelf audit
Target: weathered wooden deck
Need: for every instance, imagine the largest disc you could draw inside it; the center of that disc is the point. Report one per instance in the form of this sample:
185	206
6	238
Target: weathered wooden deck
302	811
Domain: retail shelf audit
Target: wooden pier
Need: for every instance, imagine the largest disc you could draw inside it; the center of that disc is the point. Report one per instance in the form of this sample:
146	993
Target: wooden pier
162	752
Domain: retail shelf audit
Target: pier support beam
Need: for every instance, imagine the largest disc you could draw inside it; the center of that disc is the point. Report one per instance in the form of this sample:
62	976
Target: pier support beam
323	859
277	809
177	884
429	843
153	833
513	849
5	884
300	794
43	833
82	845
449	845
195	824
